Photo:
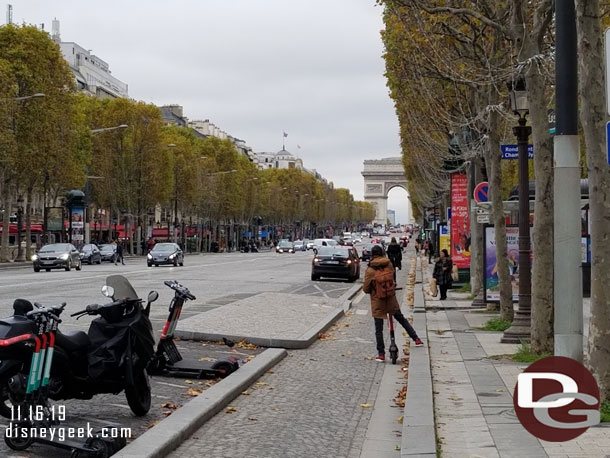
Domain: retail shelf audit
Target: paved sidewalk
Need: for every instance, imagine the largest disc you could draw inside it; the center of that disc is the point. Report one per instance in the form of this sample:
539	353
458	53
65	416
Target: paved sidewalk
318	402
473	383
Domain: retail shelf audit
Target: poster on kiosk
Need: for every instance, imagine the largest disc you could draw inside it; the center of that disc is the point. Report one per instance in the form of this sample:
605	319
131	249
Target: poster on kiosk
460	221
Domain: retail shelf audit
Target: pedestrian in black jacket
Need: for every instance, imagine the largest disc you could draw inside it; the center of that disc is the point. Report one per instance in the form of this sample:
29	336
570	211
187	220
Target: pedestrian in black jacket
442	273
395	254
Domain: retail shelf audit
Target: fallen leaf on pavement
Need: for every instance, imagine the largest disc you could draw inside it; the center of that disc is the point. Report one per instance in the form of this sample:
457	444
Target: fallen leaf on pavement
169	405
231	409
252	419
367	405
245	393
188	382
260	383
247	345
194	391
269	372
207	359
369	358
400	419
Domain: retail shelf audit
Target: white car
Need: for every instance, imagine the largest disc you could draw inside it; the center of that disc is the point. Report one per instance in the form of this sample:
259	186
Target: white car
318	243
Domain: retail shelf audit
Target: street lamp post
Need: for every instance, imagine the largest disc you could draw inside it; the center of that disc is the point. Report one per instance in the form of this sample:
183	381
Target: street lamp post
521	327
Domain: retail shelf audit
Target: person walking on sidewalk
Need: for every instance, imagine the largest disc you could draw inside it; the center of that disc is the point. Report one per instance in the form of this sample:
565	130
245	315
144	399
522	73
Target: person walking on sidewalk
395	255
119	253
430	251
380	307
442	273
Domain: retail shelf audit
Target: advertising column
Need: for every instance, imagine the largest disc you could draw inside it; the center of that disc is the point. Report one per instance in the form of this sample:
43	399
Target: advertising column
460	221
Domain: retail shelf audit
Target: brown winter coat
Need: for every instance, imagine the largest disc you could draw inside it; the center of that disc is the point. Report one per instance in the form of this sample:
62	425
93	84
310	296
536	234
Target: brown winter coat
379	307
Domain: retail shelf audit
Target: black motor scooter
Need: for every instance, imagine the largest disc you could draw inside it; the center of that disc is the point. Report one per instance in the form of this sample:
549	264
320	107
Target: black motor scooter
111	358
168	360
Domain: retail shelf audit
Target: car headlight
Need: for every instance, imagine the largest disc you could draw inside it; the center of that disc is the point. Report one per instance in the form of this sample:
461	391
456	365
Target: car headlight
64	256
172	256
149	256
316	260
280	250
35	257
349	261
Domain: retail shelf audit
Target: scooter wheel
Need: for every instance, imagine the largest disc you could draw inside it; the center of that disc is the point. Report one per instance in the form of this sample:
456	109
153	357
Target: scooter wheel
19	442
393	356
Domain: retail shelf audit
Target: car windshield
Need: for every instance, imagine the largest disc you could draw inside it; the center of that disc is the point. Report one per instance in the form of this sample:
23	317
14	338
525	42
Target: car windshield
107	248
87	248
333	243
285	244
55	248
164	247
335	252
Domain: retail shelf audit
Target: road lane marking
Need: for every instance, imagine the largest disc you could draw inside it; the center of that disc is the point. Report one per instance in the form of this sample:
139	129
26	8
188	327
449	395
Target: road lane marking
321	290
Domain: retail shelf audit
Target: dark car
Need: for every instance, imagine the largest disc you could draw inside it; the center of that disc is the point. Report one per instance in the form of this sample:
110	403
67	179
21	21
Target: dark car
336	262
90	254
284	247
165	253
366	250
108	252
57	256
299	245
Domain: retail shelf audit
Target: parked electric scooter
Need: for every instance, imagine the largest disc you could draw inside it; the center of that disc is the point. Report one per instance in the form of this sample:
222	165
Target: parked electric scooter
111	358
35	414
168	360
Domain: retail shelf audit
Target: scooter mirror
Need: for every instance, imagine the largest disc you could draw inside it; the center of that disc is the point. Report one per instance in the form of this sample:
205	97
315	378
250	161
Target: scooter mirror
107	291
153	296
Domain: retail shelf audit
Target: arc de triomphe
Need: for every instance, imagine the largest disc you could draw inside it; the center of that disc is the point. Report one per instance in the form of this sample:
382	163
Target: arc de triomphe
380	176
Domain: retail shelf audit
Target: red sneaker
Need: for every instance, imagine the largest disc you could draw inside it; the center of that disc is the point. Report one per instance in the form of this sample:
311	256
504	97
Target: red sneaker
380	358
419	343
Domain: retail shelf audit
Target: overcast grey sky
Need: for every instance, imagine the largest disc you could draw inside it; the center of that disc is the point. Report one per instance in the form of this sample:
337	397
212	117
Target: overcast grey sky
254	68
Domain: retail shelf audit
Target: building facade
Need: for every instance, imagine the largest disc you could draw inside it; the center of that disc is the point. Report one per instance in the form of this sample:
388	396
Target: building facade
92	74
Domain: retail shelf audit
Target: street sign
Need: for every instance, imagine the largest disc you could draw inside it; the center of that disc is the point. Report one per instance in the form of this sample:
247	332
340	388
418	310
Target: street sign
483	219
480	192
512	151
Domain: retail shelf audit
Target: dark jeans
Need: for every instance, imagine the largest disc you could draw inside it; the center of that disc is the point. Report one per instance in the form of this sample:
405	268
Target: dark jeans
443	289
379	330
430	256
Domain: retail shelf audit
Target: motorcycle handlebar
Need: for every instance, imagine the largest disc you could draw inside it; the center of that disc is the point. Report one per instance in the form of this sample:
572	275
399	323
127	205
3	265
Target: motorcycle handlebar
93	309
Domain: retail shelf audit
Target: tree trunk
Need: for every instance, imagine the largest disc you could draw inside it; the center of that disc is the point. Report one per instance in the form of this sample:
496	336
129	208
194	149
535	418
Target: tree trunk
476	235
5	255
494	159
28	225
542	271
592	117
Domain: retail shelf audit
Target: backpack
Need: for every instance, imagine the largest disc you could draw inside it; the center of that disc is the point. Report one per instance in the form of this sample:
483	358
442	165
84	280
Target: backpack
385	286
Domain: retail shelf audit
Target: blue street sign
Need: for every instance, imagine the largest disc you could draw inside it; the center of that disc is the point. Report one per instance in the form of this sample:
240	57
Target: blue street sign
608	144
512	151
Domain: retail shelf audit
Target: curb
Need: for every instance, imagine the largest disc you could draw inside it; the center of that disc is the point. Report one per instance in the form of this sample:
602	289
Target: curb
170	433
16	265
309	337
418	430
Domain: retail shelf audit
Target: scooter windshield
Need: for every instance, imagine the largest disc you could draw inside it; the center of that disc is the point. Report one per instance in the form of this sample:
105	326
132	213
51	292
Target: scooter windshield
122	287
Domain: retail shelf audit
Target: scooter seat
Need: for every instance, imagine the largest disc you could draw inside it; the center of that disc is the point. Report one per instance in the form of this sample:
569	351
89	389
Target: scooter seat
72	340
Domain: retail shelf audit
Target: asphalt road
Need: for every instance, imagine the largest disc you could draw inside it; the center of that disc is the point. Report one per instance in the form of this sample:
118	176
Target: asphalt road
215	279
